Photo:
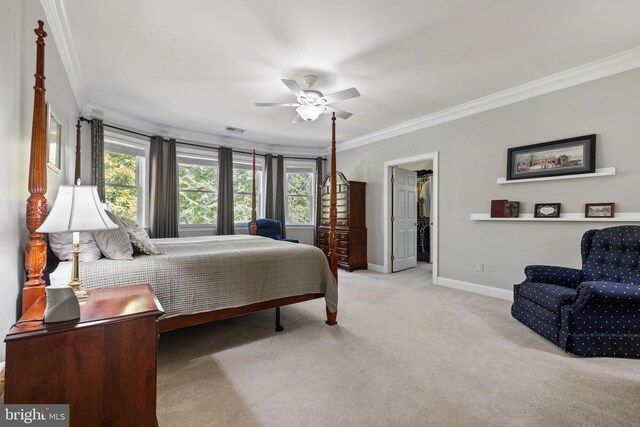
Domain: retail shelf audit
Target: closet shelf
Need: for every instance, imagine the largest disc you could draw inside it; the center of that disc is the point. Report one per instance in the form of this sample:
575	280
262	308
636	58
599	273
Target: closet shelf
598	172
567	217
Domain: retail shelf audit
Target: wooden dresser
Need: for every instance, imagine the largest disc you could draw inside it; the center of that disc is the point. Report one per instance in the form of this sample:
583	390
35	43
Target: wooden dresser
103	365
351	224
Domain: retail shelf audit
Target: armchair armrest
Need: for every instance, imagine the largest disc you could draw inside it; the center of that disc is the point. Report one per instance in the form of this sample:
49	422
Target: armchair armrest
570	277
611	291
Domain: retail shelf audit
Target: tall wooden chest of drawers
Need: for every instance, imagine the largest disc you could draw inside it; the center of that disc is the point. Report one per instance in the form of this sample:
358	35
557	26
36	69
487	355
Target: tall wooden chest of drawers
351	227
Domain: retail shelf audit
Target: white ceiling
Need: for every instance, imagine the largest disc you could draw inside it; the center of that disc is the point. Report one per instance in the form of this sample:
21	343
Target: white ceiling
200	65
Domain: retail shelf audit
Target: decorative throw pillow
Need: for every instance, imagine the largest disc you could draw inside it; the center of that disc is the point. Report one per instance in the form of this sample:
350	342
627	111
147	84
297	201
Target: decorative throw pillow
62	246
139	238
114	244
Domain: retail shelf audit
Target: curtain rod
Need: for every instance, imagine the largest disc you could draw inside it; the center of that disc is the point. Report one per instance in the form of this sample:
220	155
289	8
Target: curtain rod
195	144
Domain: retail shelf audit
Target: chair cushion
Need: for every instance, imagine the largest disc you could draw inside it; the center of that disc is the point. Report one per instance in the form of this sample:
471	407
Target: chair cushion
551	297
612	255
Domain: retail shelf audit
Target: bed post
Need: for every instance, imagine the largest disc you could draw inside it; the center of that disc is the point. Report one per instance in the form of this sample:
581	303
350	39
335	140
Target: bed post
76	176
35	257
254	228
333	214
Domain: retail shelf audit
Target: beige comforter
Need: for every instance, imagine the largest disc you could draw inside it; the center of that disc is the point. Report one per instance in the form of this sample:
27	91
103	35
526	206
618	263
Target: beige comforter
198	274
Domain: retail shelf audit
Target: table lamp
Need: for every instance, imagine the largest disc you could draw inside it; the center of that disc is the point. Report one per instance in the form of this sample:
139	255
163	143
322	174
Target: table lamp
77	208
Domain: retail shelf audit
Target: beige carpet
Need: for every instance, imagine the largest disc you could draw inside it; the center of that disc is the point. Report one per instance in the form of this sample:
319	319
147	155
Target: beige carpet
405	353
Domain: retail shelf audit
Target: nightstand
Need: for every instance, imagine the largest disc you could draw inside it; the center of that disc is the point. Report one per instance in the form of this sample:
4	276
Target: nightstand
103	365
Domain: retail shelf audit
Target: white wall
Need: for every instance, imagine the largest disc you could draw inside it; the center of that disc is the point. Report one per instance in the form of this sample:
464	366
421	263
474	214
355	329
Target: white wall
17	49
473	155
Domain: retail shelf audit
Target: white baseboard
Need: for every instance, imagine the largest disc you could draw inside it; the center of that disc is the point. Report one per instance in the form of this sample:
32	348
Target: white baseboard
376	267
476	288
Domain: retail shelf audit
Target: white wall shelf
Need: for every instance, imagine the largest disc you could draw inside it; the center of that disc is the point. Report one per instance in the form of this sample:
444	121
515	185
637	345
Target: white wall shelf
598	172
567	217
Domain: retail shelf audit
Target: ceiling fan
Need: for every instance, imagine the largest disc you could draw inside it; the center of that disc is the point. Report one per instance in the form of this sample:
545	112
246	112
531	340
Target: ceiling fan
311	103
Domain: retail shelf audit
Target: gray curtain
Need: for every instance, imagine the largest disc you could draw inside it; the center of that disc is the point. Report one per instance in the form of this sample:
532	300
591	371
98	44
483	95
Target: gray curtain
268	172
97	156
319	179
163	179
225	191
279	212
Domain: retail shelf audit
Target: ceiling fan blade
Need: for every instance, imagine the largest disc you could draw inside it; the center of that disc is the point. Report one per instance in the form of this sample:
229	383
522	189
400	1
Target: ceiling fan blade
275	104
339	113
339	96
293	87
298	119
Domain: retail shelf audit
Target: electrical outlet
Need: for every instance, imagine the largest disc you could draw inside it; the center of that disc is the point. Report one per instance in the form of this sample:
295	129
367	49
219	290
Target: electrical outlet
479	267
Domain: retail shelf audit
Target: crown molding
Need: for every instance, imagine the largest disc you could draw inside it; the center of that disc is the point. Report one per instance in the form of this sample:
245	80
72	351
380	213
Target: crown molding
59	26
136	124
608	66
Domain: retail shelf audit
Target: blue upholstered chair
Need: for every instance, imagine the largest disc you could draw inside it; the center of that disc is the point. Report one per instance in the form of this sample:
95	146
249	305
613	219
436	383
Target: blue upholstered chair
270	228
590	312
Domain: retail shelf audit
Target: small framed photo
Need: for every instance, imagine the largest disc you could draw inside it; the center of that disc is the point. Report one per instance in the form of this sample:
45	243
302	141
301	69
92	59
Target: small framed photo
54	139
599	210
547	210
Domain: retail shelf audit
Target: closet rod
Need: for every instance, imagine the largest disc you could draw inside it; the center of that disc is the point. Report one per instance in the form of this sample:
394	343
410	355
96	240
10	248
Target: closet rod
194	144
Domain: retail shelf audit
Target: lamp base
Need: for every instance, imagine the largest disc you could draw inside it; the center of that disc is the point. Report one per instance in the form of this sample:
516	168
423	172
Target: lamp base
81	294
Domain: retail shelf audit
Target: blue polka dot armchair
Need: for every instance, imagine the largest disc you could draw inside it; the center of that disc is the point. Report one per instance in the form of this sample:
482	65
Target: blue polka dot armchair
271	228
590	312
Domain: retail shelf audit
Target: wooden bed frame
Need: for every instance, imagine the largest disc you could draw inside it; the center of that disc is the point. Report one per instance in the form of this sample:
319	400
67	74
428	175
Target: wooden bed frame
36	246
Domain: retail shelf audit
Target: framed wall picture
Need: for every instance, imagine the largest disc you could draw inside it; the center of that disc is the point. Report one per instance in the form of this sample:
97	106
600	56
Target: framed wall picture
563	157
599	210
54	139
546	210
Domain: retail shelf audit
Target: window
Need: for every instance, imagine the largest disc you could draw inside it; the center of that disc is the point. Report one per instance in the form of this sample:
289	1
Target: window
242	183
299	185
197	189
125	177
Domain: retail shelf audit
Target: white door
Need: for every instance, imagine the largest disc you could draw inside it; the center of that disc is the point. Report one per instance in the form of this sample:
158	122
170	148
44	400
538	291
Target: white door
404	219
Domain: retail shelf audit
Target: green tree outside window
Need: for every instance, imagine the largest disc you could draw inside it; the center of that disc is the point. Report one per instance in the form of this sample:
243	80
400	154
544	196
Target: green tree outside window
299	197
121	189
198	197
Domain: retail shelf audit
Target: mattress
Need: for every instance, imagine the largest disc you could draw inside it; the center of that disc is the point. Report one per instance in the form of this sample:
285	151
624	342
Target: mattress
200	274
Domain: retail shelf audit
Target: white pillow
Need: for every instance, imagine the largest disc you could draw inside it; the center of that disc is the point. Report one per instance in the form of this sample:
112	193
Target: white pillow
62	245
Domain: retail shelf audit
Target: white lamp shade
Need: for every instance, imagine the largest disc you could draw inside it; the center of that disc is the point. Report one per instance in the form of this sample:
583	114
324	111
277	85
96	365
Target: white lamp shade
309	112
77	208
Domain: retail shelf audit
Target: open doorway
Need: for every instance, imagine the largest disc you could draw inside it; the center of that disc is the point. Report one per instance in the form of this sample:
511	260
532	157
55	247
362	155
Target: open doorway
411	214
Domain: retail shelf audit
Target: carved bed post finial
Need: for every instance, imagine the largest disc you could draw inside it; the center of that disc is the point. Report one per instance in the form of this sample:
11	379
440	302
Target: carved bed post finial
254	227
36	247
76	175
333	214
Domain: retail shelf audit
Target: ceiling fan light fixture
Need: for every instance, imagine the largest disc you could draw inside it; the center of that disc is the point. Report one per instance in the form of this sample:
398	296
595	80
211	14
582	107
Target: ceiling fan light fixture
309	112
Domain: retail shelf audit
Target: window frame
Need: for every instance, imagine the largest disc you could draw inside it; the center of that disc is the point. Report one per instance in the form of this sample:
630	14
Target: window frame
197	157
247	160
300	166
124	144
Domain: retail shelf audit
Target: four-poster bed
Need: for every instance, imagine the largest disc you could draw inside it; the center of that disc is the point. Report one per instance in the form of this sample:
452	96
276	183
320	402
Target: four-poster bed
36	247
